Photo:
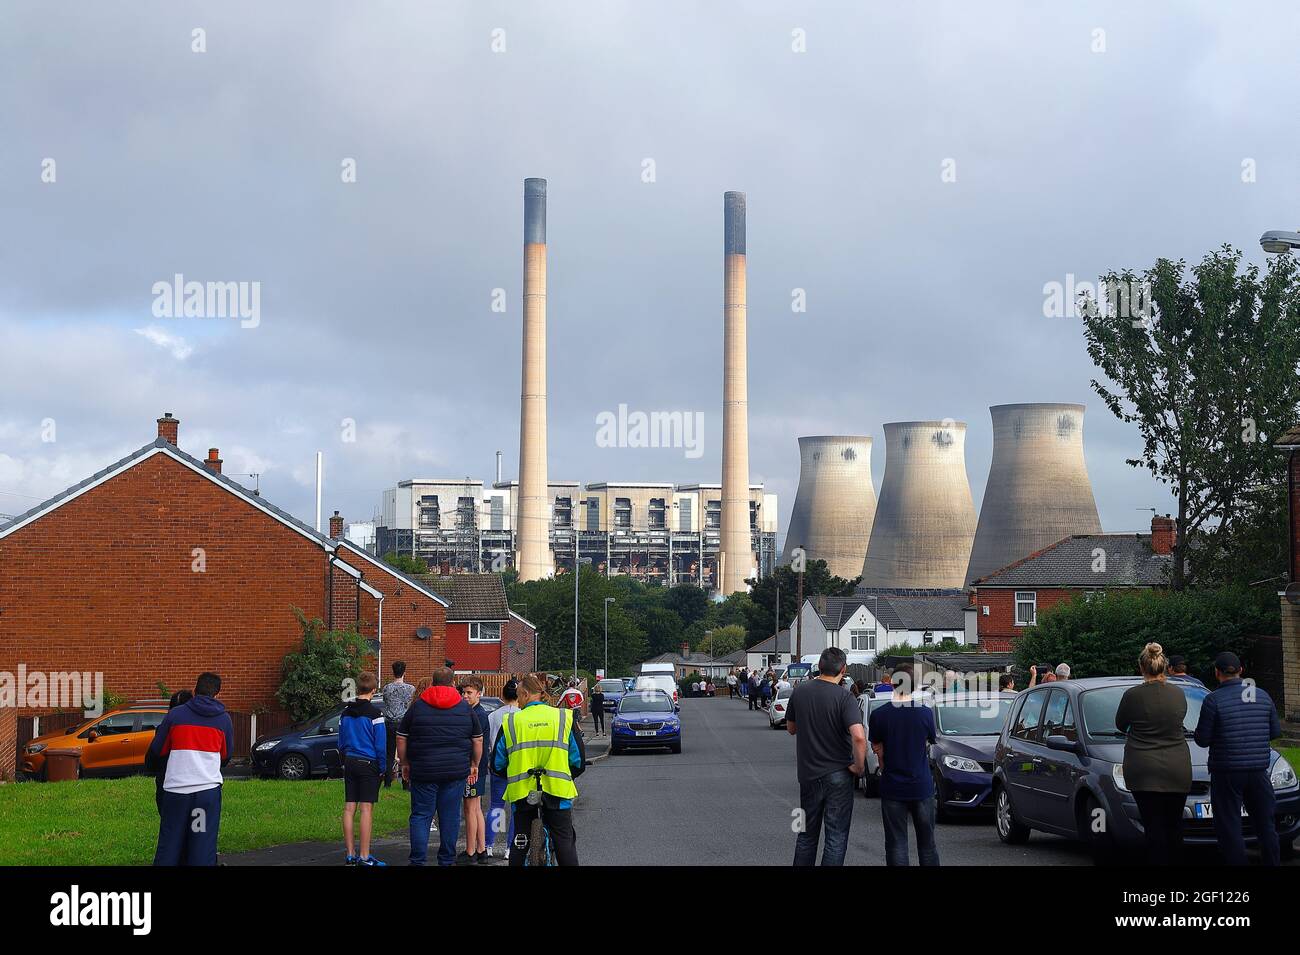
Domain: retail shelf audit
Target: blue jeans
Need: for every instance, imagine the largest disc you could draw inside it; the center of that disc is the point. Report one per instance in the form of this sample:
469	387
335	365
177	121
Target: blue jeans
895	813
826	800
188	827
1228	793
499	814
445	798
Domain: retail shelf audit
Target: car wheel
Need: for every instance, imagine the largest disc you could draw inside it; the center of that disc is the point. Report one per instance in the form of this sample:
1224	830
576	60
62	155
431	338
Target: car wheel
676	747
1287	850
1094	831
293	766
1010	830
615	750
940	813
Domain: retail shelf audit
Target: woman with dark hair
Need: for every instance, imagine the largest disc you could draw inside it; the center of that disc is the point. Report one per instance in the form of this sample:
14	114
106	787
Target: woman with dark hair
159	765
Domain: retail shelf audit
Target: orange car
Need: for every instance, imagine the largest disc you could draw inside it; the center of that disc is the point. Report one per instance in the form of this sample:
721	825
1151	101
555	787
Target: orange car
113	744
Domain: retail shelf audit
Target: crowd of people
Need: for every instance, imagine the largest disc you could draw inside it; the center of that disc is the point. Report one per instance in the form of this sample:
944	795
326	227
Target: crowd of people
435	736
756	687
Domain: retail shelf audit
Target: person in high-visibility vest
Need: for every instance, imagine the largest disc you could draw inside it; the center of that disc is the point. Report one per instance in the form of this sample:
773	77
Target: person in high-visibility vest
541	737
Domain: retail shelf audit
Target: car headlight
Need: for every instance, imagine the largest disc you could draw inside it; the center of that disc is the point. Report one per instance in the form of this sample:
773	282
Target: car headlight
38	747
269	744
620	724
1282	775
1117	774
962	763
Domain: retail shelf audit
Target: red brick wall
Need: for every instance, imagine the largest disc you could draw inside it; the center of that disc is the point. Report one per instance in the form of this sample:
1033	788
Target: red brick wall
472	656
1295	515
525	638
997	631
8	742
405	610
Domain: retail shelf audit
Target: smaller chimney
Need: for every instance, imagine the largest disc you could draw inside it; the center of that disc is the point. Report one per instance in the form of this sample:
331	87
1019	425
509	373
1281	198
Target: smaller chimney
214	461
168	427
336	526
1164	534
686	650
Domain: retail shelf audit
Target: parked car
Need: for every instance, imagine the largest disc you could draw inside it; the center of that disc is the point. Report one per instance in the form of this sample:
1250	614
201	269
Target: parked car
613	689
658	681
304	750
1059	760
967	728
645	719
870	781
113	744
776	711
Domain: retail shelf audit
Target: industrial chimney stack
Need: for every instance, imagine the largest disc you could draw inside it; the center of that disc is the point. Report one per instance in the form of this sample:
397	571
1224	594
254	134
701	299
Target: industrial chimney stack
1038	490
925	521
835	504
532	553
735	554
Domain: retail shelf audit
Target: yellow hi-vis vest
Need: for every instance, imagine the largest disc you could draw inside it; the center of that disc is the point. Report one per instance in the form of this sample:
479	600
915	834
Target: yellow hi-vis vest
537	737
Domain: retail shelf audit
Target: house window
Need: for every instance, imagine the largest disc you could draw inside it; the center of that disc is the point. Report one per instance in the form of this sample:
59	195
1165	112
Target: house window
862	639
1090	595
481	632
1026	608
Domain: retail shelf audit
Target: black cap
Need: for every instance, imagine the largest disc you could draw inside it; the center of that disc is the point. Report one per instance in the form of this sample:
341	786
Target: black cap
1227	662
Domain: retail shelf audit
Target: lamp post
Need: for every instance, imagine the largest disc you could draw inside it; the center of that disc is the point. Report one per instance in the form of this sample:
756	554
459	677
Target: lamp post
608	601
1277	241
577	575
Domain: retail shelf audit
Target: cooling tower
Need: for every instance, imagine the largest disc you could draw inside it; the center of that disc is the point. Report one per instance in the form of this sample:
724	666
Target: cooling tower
925	520
735	552
1038	490
835	503
532	553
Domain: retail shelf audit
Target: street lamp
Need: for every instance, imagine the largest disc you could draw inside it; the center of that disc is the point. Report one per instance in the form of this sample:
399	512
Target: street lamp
608	601
1275	241
577	574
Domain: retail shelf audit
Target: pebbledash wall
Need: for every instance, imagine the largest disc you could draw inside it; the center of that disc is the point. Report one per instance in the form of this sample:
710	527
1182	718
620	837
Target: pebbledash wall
160	571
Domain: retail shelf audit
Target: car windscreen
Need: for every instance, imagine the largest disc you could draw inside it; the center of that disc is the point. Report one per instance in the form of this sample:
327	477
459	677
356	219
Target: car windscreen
611	686
976	717
1099	708
645	703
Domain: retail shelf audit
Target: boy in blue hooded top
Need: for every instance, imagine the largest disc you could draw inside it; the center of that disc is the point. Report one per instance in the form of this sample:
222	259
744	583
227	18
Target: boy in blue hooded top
363	748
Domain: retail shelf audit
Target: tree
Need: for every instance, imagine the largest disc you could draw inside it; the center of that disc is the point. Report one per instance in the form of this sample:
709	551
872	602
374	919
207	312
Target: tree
406	563
1207	371
315	676
817	580
689	602
722	640
550	606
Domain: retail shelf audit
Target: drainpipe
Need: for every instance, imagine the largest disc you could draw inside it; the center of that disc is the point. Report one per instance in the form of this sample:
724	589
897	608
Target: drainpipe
329	591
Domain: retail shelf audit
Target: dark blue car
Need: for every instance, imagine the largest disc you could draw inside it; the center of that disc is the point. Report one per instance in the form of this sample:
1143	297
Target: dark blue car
645	719
304	750
967	727
613	690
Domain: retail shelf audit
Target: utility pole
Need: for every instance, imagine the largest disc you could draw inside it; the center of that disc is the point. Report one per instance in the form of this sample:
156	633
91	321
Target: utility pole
776	612
608	601
799	619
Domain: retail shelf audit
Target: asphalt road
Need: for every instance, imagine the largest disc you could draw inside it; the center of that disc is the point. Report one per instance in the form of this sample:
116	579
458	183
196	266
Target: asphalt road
728	799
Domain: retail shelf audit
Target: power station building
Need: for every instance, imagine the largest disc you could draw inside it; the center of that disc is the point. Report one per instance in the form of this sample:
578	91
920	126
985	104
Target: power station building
648	530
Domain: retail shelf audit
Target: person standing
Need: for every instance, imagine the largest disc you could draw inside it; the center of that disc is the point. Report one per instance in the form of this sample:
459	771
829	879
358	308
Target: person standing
1157	762
500	819
196	738
731	685
830	749
362	746
158	766
397	699
475	823
597	710
1237	722
752	695
439	744
899	733
540	737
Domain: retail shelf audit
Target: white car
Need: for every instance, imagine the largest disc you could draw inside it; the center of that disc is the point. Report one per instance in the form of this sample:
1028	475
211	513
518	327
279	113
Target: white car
776	710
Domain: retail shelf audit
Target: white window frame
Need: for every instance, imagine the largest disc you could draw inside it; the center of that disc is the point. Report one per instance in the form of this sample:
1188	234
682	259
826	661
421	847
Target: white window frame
870	636
475	629
1029	597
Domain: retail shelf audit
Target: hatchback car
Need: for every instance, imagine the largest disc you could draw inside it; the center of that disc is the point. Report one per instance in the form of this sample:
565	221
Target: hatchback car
776	712
967	728
304	750
613	690
113	744
644	719
1059	765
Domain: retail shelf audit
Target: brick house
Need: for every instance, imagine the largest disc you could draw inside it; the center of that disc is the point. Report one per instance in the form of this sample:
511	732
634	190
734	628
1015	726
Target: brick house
159	567
483	633
1290	596
1008	600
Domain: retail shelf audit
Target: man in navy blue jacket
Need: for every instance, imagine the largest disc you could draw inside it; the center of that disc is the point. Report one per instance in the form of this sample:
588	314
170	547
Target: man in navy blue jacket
363	747
1237	721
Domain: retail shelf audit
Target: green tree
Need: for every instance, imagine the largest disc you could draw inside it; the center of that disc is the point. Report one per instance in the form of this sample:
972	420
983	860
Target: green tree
550	606
722	640
406	563
313	677
817	580
689	602
1207	375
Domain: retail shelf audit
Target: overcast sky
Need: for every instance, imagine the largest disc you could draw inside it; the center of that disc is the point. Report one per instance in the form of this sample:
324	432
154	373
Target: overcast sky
924	296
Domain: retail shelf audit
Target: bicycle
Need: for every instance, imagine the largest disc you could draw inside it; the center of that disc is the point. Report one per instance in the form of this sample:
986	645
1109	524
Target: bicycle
539	837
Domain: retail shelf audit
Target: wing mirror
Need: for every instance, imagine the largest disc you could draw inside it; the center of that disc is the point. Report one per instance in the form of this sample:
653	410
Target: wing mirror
1062	744
92	736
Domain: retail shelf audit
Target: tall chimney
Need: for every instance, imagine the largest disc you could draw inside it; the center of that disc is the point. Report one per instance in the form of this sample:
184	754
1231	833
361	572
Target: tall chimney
336	525
1164	534
214	460
735	552
168	427
532	554
498	467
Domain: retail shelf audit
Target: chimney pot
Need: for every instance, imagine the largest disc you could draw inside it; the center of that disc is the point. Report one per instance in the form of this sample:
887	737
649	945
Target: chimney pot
168	427
214	460
336	526
1164	534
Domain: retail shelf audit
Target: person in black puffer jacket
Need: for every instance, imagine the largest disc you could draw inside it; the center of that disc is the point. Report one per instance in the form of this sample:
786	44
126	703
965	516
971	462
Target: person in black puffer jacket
1237	721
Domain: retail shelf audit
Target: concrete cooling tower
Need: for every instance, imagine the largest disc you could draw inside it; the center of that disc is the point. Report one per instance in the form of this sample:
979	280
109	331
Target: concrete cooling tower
1038	490
835	504
925	520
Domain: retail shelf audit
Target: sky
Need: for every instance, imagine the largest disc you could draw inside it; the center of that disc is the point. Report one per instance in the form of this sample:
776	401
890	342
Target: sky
917	173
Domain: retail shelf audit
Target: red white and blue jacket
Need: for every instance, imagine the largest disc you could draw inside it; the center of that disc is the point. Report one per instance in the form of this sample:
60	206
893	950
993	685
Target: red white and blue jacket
196	739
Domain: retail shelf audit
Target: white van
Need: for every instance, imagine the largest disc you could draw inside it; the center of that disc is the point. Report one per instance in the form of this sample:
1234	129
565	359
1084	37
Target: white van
658	681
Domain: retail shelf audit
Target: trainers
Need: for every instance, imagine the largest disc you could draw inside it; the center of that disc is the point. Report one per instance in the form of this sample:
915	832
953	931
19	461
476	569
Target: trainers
464	858
350	860
481	858
371	862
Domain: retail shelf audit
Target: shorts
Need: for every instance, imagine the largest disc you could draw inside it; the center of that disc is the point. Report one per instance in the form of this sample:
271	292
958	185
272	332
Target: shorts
361	779
473	791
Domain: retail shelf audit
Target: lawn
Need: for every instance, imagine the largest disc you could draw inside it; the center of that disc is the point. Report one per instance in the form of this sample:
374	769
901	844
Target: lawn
115	822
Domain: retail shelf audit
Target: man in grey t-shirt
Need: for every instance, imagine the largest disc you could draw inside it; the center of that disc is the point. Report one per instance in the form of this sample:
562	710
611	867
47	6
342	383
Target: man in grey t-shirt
830	750
397	699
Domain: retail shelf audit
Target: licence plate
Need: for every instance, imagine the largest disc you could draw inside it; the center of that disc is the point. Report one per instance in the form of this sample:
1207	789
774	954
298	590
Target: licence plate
645	732
1205	810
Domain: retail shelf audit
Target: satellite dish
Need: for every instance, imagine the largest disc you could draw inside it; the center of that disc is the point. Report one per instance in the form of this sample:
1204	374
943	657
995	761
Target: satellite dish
1293	593
423	633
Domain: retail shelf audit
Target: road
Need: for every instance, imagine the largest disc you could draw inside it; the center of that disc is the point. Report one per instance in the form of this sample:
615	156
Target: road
728	799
